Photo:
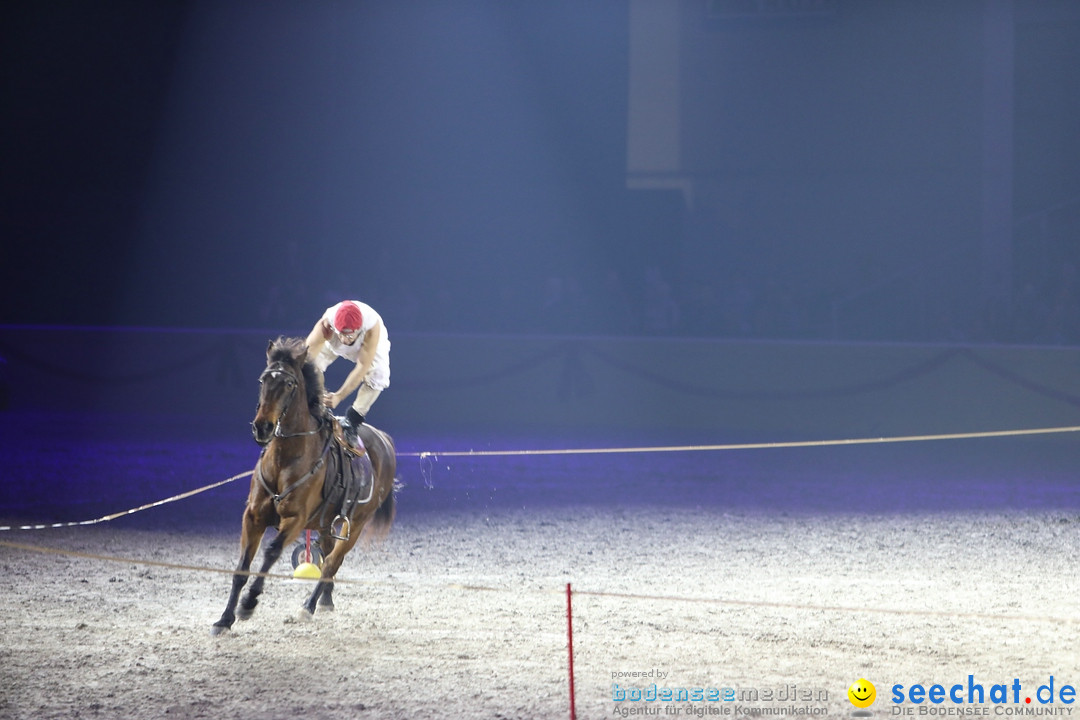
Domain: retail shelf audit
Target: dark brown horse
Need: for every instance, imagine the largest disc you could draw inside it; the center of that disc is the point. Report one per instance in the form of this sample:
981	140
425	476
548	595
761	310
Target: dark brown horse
291	483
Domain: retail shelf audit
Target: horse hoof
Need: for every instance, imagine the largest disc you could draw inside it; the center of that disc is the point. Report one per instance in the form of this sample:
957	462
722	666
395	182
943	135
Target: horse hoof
217	630
304	616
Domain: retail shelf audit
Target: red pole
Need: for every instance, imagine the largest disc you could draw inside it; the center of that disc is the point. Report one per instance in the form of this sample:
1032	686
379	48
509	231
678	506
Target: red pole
570	647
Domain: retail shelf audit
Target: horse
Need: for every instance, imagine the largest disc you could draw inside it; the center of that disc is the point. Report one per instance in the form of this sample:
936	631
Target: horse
292	477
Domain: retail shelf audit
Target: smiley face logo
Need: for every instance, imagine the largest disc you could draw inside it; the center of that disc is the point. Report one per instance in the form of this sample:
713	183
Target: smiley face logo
862	693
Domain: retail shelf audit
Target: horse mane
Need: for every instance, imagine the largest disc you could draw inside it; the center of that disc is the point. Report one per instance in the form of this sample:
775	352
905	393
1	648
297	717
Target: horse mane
289	350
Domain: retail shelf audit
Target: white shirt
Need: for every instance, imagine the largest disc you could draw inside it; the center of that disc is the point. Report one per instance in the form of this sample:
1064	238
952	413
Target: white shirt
379	375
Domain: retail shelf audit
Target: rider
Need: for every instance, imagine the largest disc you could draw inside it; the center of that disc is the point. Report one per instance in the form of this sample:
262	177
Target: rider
353	330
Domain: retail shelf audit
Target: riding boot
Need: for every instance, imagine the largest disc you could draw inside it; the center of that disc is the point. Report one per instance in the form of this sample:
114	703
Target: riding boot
350	424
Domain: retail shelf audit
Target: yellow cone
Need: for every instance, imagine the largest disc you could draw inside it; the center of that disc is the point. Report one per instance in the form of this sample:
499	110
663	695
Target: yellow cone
309	571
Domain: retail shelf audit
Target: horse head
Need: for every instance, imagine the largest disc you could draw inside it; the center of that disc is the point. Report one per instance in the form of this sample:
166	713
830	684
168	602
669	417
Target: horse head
282	383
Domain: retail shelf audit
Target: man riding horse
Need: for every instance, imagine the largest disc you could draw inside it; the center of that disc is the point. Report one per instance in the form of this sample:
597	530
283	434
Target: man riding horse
353	330
305	479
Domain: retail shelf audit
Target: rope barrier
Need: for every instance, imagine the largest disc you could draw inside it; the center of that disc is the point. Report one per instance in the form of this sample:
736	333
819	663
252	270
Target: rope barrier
427	459
132	511
467	587
827	608
428	455
135	561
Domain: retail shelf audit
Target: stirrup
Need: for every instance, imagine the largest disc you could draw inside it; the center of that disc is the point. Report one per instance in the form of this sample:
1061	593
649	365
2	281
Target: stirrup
343	530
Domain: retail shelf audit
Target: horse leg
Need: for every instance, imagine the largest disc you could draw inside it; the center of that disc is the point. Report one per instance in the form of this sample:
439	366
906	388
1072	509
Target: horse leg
331	563
288	530
251	533
326	546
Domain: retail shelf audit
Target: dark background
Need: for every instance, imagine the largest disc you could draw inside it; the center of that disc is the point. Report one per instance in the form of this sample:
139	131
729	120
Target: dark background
180	181
462	166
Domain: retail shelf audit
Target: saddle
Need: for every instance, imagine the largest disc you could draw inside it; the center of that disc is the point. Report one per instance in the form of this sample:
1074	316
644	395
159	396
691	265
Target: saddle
349	482
351	440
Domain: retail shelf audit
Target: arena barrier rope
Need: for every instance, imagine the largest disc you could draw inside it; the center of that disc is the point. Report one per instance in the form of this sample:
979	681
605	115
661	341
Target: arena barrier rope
468	587
426	455
132	511
428	458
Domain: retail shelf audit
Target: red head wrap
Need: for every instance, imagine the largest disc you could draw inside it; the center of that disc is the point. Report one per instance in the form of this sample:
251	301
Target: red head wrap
348	318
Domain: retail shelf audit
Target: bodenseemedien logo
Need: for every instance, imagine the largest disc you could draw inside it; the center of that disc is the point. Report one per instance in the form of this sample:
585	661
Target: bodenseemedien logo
721	700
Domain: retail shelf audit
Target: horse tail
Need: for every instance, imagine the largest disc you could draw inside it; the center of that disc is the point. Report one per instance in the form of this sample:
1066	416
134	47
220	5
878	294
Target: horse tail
383	519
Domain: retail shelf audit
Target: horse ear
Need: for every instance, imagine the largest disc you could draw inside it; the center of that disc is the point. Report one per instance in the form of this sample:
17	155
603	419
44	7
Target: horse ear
301	358
269	347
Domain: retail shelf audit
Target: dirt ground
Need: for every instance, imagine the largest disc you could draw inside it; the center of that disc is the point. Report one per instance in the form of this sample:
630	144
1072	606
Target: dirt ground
803	569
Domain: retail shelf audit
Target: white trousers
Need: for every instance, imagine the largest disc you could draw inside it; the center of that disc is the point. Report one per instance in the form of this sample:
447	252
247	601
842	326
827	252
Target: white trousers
365	397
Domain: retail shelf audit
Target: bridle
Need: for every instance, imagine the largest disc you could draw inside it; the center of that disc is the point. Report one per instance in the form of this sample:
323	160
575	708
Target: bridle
291	382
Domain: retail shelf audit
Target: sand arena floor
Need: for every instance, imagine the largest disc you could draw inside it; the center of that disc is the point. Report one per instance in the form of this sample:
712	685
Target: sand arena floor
790	572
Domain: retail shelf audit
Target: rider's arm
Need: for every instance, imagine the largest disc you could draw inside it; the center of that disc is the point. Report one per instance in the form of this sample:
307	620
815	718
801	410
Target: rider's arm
318	336
363	362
